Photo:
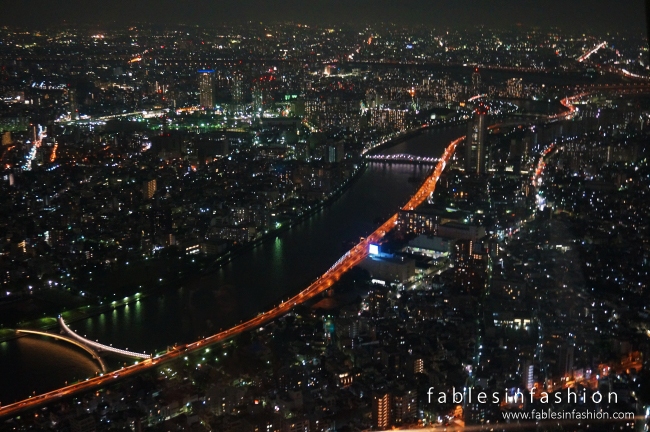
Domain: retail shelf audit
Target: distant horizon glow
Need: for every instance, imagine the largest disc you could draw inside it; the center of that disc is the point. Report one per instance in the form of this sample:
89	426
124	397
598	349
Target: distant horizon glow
575	15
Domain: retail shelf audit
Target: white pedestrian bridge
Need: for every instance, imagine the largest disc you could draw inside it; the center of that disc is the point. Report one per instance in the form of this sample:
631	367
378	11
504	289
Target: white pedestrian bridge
95	349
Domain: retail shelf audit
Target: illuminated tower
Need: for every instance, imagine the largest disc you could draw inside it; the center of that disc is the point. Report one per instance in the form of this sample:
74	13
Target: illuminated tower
476	80
475	142
206	88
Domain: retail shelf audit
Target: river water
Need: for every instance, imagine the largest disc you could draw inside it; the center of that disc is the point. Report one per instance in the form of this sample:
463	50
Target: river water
249	284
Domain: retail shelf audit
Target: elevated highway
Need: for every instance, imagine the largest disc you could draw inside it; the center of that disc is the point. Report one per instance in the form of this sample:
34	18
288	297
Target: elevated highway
592	51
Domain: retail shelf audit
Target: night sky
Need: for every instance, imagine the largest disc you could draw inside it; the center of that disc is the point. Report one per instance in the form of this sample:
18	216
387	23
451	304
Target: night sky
593	15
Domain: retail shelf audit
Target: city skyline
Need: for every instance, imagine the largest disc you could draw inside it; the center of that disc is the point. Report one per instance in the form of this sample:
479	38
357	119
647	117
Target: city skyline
302	228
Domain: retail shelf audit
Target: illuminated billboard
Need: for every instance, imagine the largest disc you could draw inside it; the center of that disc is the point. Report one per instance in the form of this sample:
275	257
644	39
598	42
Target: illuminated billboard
373	249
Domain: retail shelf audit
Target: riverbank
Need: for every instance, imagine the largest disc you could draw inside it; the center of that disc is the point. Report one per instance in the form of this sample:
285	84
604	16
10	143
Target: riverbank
89	311
83	310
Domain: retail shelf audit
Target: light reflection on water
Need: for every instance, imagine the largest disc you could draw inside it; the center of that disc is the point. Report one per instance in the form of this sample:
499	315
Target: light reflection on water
41	364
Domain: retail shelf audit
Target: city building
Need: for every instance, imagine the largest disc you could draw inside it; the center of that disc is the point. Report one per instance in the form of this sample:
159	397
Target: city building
206	88
381	410
405	407
459	230
426	218
515	87
237	91
6	139
476	80
149	189
470	262
475	154
389	268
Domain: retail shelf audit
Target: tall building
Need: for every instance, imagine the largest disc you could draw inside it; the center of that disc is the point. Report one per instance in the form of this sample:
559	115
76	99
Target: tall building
263	89
149	189
469	265
237	90
6	139
475	157
206	88
72	100
529	375
476	80
567	354
405	407
258	97
515	87
418	366
335	152
381	410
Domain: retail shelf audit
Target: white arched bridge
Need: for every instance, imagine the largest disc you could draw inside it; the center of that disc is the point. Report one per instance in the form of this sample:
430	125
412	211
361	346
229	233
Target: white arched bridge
91	347
69	340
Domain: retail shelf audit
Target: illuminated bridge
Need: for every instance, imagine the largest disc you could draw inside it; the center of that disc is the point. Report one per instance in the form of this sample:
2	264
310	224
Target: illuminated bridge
97	346
403	158
69	340
588	54
629	87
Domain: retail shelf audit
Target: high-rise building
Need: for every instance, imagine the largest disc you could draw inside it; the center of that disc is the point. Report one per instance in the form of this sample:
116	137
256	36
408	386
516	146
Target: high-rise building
72	100
335	152
515	87
237	90
6	139
469	265
258	96
263	89
476	80
529	376
206	88
475	157
418	366
567	353
381	410
405	404
149	189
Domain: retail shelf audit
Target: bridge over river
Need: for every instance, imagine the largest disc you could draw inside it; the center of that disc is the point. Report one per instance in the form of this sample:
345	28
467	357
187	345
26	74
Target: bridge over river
95	349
